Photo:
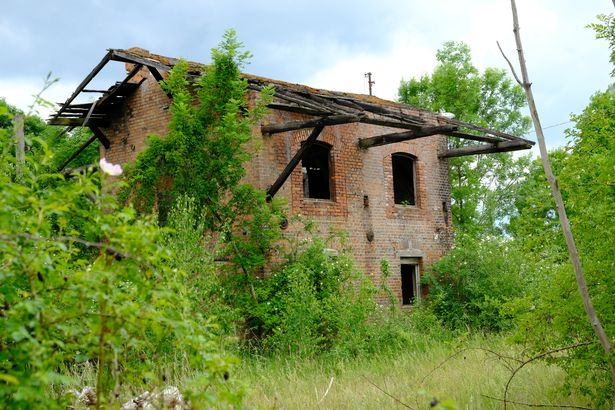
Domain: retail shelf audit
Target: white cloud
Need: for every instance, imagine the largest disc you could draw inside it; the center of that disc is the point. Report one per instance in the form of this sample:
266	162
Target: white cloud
20	92
401	57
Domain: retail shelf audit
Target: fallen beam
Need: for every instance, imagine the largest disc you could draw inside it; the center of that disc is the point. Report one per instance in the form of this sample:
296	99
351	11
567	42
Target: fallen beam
403	136
101	136
504	146
297	125
76	153
78	122
275	187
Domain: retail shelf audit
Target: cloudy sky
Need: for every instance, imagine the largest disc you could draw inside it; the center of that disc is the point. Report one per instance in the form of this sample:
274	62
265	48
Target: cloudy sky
322	43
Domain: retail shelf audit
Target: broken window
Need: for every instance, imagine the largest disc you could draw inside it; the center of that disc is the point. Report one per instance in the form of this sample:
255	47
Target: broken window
315	165
404	178
410	283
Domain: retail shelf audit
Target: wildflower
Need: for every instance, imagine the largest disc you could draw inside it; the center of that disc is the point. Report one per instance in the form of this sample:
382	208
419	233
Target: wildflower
109	168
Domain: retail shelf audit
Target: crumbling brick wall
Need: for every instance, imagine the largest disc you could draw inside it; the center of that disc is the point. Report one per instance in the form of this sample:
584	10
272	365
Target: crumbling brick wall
362	202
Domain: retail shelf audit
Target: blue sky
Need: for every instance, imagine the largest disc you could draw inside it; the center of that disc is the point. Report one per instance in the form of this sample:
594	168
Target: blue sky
328	44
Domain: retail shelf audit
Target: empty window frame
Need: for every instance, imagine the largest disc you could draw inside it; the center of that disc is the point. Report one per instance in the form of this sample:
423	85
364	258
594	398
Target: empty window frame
316	168
410	283
404	178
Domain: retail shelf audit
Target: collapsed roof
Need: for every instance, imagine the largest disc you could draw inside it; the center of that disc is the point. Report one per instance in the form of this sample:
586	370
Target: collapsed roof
326	107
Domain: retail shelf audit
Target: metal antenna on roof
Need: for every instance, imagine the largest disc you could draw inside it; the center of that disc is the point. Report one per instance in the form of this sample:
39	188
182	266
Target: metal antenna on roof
368	75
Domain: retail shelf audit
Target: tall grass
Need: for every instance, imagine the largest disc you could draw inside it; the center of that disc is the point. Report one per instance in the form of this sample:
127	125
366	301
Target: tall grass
412	377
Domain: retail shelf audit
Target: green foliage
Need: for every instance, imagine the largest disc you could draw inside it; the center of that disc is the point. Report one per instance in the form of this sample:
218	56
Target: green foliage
41	138
606	30
553	316
481	186
534	224
312	303
471	286
204	153
101	294
203	157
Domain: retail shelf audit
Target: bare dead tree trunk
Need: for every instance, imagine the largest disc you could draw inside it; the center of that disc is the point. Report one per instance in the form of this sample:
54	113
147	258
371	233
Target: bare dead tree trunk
561	211
18	125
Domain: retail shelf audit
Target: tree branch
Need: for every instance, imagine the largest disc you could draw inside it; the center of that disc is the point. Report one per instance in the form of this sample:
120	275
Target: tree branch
388	394
98	245
512	69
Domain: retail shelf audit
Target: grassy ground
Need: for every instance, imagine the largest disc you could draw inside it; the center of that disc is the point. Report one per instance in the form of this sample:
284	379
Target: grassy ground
412	378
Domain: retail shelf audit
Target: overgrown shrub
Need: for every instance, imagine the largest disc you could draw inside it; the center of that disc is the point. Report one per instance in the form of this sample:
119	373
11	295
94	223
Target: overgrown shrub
312	302
469	288
84	281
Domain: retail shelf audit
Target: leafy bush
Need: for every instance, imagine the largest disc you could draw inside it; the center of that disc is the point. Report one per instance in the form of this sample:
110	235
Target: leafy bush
84	281
469	288
313	302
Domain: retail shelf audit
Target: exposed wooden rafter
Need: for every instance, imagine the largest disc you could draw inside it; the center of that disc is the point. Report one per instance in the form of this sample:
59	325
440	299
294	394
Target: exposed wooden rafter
101	136
297	125
503	146
404	136
85	82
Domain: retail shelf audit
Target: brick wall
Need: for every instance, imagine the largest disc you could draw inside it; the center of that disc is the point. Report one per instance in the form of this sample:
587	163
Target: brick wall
362	202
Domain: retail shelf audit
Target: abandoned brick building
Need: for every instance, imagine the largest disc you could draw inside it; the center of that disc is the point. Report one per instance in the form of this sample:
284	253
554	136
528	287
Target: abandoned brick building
375	169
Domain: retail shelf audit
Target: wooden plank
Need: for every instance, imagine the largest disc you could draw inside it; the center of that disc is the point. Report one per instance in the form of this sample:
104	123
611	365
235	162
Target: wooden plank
503	146
84	83
297	108
76	153
78	122
123	86
403	136
275	187
297	125
473	137
155	73
20	146
496	133
121	55
101	136
391	123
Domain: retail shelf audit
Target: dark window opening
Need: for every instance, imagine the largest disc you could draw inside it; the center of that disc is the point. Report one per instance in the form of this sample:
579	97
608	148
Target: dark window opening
404	179
316	172
409	284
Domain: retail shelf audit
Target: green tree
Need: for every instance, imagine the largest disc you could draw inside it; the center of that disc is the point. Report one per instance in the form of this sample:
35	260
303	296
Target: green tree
555	315
204	154
481	185
605	29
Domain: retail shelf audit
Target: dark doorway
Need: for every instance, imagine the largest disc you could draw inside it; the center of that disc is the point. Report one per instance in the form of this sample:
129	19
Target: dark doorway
408	284
316	171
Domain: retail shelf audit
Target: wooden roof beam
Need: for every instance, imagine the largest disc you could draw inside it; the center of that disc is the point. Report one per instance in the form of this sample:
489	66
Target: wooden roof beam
84	83
78	122
465	135
503	146
297	125
100	136
403	136
392	123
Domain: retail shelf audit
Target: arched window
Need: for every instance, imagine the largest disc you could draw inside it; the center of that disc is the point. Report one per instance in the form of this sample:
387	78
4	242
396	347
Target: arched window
404	178
316	167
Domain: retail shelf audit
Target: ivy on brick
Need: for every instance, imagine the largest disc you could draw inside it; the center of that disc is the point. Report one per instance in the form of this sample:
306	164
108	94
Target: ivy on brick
204	153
